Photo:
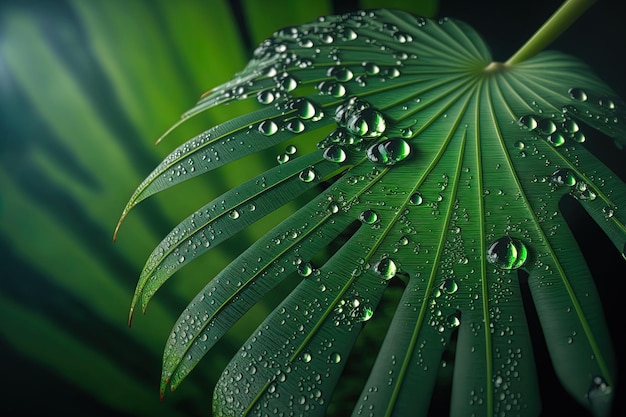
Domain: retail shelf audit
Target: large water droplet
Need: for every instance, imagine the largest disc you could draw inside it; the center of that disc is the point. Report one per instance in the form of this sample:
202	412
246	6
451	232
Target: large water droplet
265	97
507	253
369	123
416	198
305	269
335	153
268	127
389	152
304	108
368	216
307	175
340	73
577	94
386	268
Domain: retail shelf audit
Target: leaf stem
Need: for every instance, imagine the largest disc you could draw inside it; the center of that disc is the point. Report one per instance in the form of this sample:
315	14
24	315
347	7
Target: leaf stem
567	14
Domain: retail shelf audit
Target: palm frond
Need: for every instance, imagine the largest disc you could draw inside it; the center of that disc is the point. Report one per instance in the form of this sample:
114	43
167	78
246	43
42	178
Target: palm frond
443	168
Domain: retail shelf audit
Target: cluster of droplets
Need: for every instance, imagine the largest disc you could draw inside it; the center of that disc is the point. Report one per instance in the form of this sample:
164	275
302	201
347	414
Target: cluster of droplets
554	130
579	189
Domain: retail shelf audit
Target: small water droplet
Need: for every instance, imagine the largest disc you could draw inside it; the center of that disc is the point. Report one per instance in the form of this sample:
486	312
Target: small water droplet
389	152
507	253
600	396
233	214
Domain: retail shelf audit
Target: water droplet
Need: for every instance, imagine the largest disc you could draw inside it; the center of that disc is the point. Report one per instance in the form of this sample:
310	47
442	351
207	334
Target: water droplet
368	216
366	313
304	108
305	269
600	396
335	153
268	127
369	123
265	97
577	94
282	158
295	126
291	149
454	320
334	357
416	198
449	286
371	68
563	176
545	126
507	253
386	268
307	175
332	88
556	139
528	122
340	73
389	152
306	357
233	214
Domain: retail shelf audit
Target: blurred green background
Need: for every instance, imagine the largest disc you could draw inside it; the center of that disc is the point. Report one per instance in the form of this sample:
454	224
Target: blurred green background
86	87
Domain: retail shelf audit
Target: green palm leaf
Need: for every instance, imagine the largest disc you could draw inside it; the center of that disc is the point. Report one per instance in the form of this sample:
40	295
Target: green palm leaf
444	171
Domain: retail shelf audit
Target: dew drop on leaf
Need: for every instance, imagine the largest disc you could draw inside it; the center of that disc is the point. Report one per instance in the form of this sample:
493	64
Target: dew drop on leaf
305	269
416	198
295	126
563	176
340	73
577	94
335	153
371	68
334	357
528	122
368	216
507	253
599	396
369	123
449	286
389	152
307	175
233	214
386	268
265	97
268	127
